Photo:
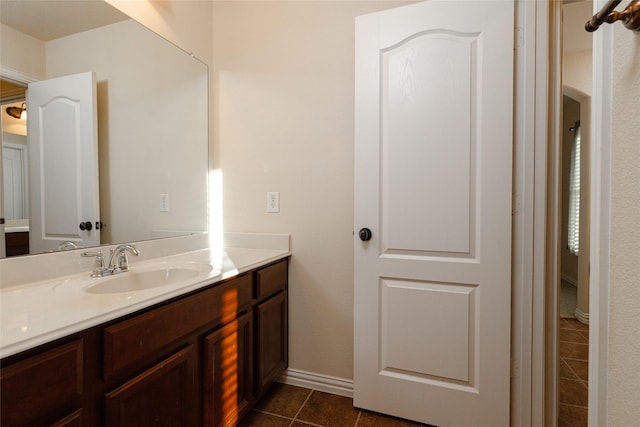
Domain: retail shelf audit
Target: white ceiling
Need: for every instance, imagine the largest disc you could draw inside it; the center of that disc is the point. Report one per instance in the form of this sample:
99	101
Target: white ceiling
51	19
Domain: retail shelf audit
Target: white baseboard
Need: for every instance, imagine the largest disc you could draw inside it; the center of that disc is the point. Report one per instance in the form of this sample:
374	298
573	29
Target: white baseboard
319	382
570	280
582	316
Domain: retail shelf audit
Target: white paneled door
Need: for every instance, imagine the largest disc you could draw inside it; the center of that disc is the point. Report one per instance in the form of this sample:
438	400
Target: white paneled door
62	134
433	149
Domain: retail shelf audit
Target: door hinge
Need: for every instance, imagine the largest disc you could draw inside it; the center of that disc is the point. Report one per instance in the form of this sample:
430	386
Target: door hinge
515	369
516	206
518	38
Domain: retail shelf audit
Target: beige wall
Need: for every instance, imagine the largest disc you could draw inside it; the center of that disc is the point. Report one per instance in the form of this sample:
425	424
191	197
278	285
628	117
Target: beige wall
22	53
624	309
577	70
187	24
283	85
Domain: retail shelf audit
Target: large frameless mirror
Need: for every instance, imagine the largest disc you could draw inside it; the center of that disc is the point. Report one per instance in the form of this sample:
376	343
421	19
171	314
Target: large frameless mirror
147	178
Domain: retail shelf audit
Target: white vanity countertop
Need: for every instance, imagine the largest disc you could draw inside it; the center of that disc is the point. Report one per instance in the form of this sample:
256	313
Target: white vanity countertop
40	312
17	229
16	225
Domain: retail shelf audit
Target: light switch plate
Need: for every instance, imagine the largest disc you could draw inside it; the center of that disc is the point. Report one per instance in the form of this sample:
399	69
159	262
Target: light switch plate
164	203
273	202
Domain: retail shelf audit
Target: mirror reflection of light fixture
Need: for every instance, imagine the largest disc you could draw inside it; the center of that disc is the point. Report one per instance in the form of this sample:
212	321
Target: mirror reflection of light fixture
18	112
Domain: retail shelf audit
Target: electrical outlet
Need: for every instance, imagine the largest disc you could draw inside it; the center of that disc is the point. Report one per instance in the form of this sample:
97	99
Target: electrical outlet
273	202
164	203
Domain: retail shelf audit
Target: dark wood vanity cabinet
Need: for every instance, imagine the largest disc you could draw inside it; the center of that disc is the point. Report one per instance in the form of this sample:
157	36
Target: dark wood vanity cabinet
271	325
17	243
44	389
228	372
200	359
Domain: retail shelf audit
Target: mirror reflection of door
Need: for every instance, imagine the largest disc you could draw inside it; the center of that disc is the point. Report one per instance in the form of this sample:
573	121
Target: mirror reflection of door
14	175
14	203
63	148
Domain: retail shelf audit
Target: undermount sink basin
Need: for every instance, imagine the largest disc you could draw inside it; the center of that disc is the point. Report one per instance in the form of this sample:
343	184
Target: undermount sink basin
139	278
135	280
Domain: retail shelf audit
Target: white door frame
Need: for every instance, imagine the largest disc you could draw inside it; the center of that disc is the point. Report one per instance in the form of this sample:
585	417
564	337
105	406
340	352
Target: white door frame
601	131
534	29
535	301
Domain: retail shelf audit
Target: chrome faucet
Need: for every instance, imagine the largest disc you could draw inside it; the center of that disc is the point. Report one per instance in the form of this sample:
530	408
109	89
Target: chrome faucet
119	261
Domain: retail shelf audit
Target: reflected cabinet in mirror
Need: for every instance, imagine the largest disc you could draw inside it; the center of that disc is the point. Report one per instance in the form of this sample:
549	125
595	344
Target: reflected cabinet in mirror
114	145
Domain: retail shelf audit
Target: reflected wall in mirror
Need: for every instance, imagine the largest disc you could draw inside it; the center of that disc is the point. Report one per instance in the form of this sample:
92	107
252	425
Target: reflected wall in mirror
151	108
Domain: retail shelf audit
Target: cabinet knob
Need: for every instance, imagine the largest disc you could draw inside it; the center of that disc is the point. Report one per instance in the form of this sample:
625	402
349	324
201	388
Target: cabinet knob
86	225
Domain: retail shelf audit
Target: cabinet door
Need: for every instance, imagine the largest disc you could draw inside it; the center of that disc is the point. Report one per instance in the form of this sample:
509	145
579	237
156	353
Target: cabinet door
271	333
164	395
228	372
42	388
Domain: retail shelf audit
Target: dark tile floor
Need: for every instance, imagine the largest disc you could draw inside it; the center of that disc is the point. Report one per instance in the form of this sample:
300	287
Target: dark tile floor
290	406
574	373
286	405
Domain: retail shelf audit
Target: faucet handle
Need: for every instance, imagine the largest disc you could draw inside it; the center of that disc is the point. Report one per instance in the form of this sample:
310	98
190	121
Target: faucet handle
98	264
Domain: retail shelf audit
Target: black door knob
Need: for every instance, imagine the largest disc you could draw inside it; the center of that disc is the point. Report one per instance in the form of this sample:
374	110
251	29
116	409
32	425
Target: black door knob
86	226
365	234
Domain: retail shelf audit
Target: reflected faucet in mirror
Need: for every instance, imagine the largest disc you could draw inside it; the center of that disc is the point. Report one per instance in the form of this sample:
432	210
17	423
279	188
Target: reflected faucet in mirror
67	246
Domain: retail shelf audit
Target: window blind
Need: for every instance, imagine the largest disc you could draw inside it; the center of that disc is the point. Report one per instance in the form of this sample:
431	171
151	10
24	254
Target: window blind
574	194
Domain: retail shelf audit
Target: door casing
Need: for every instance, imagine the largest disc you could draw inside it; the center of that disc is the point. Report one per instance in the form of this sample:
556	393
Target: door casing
537	132
540	409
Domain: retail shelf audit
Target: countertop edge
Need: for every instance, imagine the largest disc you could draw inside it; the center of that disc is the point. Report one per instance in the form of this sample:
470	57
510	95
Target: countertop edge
258	258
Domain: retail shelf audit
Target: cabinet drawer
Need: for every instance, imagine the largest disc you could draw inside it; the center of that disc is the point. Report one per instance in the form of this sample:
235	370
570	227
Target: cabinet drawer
271	279
42	386
133	340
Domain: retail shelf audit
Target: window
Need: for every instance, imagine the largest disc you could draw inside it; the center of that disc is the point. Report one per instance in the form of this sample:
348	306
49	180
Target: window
574	193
